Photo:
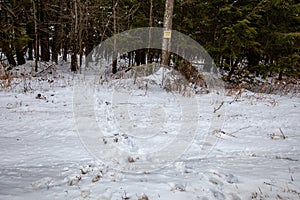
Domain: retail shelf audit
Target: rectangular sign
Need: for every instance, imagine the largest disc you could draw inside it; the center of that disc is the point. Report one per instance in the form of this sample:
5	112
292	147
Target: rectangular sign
167	34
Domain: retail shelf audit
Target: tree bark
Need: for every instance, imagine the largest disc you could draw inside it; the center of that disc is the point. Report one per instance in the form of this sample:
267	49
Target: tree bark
166	45
20	55
81	9
36	44
45	53
151	24
9	54
55	44
30	50
114	63
44	33
74	37
30	32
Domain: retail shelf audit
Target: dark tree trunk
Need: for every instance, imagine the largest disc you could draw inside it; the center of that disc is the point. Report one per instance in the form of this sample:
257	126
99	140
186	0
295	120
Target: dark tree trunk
74	62
55	51
36	34
20	56
232	70
253	61
65	51
140	57
45	53
280	75
55	45
19	47
30	33
44	34
30	50
74	36
114	64
130	59
9	54
151	24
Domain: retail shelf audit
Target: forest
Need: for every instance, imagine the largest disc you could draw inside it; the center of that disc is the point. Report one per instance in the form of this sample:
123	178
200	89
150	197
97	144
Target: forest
257	37
146	116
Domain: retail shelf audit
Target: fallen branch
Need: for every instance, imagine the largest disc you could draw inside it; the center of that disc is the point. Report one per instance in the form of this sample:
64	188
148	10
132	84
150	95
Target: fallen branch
223	132
43	70
216	109
286	158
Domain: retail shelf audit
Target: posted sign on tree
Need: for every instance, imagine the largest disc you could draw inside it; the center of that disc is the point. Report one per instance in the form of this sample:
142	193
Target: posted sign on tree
167	34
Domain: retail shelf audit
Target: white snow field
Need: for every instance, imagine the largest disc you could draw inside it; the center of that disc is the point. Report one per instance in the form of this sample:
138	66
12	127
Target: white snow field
255	154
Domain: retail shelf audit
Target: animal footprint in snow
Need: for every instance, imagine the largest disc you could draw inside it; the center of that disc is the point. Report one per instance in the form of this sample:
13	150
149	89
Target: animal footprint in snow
73	180
178	186
96	178
215	181
234	196
231	178
42	183
85	169
85	193
217	194
218	177
142	197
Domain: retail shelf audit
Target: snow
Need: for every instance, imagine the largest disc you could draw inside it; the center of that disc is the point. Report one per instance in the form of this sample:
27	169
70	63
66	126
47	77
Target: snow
255	154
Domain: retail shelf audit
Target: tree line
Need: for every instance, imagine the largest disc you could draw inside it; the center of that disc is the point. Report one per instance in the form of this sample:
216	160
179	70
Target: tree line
260	37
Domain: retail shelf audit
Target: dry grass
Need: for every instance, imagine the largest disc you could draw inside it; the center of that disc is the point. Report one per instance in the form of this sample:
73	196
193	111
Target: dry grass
185	80
6	78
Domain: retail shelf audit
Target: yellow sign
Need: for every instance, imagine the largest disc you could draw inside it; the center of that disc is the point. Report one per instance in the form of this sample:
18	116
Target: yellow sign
167	34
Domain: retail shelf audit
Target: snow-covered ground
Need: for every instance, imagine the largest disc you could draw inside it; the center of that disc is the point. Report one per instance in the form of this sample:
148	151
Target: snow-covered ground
255	154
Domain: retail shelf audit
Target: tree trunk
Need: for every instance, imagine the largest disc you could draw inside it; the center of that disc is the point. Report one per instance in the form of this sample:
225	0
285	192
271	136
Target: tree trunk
45	53
140	57
114	63
55	44
9	54
151	24
81	10
30	33
74	37
30	50
89	28
151	14
19	46
20	56
36	44
44	33
166	45
280	75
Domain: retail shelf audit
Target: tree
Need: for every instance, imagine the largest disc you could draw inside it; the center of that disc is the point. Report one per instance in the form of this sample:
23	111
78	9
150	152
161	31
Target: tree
36	36
114	12
13	32
77	24
151	24
259	36
44	30
7	24
279	35
166	45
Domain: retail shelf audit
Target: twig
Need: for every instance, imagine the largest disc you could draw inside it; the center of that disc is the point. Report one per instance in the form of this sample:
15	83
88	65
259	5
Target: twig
224	133
45	69
283	136
269	184
286	158
216	109
240	129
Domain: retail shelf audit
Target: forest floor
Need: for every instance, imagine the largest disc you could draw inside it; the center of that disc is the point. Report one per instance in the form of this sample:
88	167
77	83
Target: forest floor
255	153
